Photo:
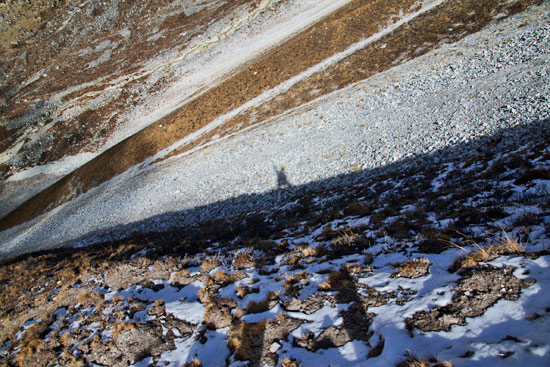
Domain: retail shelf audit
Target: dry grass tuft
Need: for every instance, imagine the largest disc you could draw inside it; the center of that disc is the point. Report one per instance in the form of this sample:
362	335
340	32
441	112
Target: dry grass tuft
142	262
126	325
157	308
348	242
181	278
117	299
262	306
210	264
243	339
324	287
169	262
242	291
377	349
414	361
337	280
30	345
347	238
220	277
507	246
309	252
243	260
94	298
193	363
413	269
67	359
511	245
294	283
290	363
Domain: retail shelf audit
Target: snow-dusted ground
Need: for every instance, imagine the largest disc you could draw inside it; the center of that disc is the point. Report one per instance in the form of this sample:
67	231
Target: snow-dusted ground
359	271
368	274
494	80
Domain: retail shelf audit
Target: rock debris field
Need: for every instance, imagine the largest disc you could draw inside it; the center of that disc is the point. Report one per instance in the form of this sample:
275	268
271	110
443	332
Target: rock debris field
400	221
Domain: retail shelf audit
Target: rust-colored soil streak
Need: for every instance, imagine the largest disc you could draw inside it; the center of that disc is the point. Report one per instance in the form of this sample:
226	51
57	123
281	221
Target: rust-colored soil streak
448	22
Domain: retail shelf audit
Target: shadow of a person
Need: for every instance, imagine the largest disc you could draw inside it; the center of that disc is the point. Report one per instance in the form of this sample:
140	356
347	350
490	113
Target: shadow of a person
282	180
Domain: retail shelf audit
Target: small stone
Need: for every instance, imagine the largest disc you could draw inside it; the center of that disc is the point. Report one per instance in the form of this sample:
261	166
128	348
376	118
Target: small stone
275	347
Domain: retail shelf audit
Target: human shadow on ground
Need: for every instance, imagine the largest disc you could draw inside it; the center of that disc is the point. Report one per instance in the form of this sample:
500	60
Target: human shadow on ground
250	209
282	179
194	230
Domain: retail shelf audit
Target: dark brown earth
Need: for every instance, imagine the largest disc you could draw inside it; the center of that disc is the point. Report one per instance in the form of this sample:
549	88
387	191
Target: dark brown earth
360	19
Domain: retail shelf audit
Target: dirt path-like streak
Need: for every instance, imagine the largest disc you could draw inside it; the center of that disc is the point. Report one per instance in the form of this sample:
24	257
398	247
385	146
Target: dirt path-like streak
287	85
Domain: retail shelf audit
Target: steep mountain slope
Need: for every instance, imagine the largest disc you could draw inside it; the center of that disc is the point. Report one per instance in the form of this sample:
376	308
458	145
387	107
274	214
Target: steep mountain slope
109	70
358	40
438	264
277	183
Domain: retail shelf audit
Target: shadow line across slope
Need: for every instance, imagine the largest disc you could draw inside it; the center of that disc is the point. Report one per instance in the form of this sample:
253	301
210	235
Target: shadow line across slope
356	21
245	215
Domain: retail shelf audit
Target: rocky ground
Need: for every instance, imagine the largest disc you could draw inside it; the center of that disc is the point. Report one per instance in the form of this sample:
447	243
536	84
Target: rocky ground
256	61
446	264
344	192
110	69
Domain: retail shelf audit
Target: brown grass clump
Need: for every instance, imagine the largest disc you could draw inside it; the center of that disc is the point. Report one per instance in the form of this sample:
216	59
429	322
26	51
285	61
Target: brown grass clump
243	260
309	252
117	299
340	279
69	275
511	245
203	295
94	298
244	339
210	264
262	306
488	253
158	308
414	361
327	234
293	259
347	238
290	363
220	277
377	349
168	263
293	283
31	345
348	242
413	269
182	278
119	328
324	287
243	291
67	359
194	363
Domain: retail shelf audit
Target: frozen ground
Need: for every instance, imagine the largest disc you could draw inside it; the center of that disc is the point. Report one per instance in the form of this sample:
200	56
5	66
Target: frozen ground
402	220
445	264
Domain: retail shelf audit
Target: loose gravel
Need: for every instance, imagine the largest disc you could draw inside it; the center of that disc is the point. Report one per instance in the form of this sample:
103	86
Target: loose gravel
491	84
